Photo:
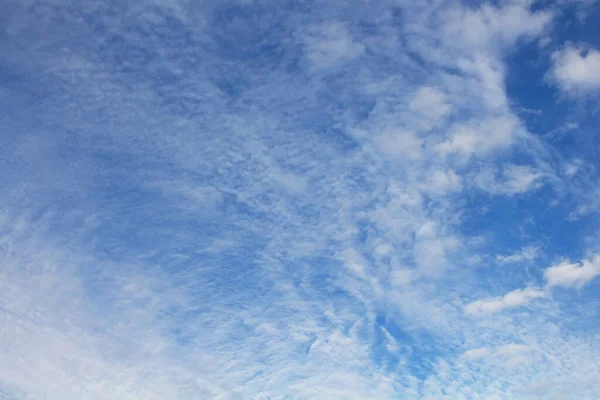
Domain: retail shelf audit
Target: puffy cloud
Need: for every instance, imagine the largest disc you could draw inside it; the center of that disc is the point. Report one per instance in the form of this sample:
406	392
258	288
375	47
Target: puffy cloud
516	298
479	27
574	275
576	69
481	138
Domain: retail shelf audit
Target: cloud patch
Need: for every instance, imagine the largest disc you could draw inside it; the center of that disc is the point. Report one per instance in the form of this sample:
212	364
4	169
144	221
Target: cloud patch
329	44
513	180
526	254
573	275
576	69
516	298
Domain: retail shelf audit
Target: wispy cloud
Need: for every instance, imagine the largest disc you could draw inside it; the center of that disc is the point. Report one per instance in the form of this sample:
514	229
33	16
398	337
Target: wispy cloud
511	351
526	254
514	179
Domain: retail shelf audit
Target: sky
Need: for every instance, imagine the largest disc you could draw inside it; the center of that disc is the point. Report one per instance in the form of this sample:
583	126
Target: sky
282	200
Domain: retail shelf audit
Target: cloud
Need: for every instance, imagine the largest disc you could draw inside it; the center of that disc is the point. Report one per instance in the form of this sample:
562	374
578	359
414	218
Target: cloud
573	275
568	275
508	350
576	69
244	200
508	356
513	349
513	180
475	354
481	138
430	102
330	43
479	27
528	253
399	143
440	182
516	298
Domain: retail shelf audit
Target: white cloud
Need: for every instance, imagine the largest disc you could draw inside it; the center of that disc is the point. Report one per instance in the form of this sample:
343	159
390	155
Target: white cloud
488	76
528	253
403	144
431	254
440	182
576	69
329	43
402	277
514	179
516	298
481	138
354	262
565	274
571	169
277	288
520	179
574	275
201	199
430	102
508	350
479	27
508	356
512	349
475	354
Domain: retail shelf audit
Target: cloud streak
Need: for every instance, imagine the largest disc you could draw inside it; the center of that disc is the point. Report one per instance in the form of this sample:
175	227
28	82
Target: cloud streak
513	299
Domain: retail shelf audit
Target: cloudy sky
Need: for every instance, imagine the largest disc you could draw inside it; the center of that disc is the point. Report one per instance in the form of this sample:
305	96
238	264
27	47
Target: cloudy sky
300	199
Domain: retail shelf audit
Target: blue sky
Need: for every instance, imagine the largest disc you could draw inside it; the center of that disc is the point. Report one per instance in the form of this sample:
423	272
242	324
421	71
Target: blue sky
299	200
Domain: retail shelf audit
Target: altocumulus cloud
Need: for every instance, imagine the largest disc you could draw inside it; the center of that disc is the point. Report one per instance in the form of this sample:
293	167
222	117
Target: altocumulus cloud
299	200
